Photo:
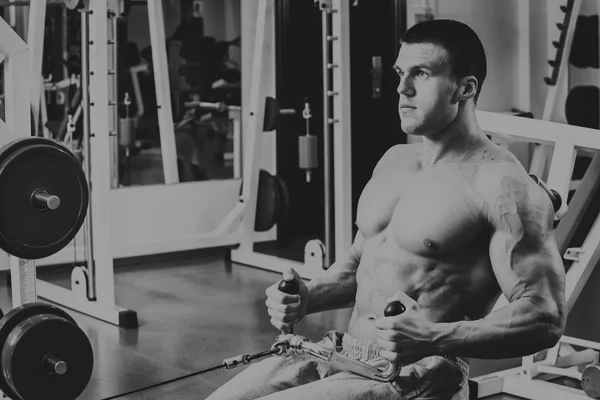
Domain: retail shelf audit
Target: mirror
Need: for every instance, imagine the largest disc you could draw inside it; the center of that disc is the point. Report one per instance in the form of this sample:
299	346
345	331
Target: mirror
203	53
203	66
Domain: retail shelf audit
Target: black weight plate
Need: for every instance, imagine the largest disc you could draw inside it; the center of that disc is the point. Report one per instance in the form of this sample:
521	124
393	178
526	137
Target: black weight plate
15	317
268	202
581	106
28	346
26	166
584	48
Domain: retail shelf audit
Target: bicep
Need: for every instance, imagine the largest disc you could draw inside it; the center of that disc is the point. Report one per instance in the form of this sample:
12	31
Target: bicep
527	267
523	250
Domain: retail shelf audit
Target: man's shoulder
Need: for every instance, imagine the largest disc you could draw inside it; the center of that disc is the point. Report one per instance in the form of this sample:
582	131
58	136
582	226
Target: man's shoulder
499	168
506	187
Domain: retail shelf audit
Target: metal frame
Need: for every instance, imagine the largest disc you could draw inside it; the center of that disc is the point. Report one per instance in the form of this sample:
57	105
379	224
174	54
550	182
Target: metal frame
161	73
336	126
541	154
92	289
530	380
14	52
35	40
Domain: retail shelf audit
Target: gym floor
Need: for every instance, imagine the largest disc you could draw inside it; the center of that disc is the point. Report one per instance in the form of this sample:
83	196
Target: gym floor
194	310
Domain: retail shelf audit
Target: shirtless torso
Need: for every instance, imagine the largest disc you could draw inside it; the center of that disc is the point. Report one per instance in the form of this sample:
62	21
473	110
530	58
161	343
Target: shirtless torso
424	231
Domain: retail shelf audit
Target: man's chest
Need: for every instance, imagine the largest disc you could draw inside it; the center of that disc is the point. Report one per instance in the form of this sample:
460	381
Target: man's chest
425	213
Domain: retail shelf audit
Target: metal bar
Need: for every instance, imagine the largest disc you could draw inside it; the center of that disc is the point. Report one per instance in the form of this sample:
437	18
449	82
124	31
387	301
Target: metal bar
113	101
539	131
580	270
24	3
578	205
327	132
542	152
23	281
342	137
87	159
35	40
261	70
16	83
101	193
561	169
163	91
235	120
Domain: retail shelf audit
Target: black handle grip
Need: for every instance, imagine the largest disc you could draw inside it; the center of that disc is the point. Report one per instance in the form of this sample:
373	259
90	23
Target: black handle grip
394	308
288	287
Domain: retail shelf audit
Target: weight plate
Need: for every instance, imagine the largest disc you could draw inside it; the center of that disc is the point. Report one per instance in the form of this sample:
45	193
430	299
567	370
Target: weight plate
47	356
37	164
13	318
590	381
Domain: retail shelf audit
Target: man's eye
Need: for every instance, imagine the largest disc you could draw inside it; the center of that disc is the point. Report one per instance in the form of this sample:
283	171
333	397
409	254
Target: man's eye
422	73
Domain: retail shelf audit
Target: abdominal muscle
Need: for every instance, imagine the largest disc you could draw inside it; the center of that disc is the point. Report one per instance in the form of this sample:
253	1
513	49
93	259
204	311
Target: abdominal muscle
446	290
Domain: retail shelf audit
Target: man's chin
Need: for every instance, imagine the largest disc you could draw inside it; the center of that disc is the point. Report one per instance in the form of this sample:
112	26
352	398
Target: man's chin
410	129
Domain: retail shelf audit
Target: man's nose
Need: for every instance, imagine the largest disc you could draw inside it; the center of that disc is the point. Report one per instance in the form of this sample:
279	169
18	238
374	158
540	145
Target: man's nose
405	87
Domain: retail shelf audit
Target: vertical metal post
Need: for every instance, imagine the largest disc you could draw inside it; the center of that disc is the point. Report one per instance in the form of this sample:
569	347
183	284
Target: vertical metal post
113	91
85	103
327	65
341	97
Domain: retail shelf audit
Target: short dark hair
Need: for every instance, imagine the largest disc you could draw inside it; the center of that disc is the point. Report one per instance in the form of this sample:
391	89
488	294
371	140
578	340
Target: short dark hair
467	55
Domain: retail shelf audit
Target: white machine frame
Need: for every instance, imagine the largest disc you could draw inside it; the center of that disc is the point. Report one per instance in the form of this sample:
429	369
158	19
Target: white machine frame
15	54
336	127
531	379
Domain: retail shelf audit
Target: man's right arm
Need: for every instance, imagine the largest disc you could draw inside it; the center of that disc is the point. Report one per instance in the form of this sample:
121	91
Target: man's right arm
336	287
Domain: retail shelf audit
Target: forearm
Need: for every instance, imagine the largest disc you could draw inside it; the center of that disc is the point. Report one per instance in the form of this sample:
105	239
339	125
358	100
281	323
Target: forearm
335	288
521	328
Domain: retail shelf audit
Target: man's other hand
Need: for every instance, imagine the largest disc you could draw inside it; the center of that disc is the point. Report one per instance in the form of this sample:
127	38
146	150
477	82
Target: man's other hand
407	337
286	310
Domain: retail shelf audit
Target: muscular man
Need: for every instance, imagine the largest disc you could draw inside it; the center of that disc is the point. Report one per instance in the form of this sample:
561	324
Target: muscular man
445	226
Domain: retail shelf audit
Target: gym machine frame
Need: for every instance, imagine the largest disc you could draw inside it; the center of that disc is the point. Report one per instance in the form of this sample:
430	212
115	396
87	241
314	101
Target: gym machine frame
541	154
92	290
336	100
530	380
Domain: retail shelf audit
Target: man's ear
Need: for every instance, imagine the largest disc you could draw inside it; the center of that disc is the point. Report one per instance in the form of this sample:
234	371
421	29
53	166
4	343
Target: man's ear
467	89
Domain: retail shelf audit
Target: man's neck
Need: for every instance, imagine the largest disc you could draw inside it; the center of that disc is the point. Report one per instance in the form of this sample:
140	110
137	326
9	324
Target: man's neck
455	142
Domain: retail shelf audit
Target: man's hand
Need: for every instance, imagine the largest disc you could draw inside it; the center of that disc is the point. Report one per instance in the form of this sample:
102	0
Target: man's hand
286	310
408	337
